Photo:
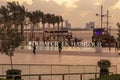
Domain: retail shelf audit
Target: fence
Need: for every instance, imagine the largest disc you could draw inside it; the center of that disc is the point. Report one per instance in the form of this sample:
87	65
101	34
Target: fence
86	71
72	76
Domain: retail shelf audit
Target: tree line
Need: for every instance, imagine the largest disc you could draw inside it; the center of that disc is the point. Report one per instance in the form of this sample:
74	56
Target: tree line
13	15
17	15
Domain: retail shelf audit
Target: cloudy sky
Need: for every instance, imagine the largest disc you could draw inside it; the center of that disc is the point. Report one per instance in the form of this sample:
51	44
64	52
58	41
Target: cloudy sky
78	12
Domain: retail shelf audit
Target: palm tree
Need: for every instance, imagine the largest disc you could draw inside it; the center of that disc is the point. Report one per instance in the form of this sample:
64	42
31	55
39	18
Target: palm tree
49	22
53	21
61	20
31	19
118	38
14	11
18	14
4	15
38	16
22	15
58	26
104	65
35	18
44	20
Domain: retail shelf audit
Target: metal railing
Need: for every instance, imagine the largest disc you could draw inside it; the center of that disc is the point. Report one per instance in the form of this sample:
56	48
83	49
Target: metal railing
80	76
87	71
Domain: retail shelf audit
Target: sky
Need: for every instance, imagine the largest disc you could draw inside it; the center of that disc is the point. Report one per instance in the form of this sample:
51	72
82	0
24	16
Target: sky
77	12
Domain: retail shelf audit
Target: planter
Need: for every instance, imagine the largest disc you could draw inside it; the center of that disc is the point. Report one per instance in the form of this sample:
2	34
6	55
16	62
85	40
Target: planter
13	72
104	67
104	71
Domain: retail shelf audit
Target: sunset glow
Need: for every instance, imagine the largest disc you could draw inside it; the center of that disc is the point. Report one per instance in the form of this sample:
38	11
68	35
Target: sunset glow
117	6
98	2
21	1
78	12
67	3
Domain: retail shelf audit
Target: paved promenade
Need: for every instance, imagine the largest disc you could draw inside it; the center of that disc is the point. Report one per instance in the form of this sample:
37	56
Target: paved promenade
65	57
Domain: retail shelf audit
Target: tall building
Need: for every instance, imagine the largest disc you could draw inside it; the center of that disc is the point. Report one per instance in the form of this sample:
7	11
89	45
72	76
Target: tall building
90	25
67	24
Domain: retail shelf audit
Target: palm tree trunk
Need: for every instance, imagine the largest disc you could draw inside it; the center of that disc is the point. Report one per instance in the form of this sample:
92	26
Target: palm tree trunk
31	31
22	32
49	31
37	29
43	32
58	33
22	29
33	35
61	31
26	35
26	42
54	32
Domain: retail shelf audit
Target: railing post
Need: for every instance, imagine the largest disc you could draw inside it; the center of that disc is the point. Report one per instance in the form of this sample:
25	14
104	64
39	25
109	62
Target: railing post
69	72
63	77
39	77
2	68
95	75
13	77
80	76
51	72
29	70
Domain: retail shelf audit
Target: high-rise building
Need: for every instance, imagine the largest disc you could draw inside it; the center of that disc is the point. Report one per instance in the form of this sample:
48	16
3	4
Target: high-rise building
67	24
90	25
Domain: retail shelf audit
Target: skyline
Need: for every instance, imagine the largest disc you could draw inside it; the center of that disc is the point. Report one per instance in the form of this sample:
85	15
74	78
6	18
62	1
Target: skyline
78	12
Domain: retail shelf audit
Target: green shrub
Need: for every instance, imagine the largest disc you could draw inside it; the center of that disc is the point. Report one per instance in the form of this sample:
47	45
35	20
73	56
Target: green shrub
13	72
110	77
104	65
104	71
2	79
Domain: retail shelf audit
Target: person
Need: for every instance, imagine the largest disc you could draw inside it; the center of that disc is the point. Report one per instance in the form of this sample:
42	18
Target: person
60	46
34	48
116	46
75	42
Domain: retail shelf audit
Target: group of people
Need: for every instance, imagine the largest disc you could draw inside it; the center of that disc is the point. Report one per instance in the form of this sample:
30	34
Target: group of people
59	47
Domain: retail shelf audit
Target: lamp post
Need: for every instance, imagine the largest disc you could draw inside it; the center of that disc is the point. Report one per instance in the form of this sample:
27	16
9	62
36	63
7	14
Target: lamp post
98	49
108	30
101	16
109	39
108	21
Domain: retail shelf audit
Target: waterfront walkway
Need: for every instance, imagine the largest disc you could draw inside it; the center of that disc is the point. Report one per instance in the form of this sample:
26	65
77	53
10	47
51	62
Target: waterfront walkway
23	56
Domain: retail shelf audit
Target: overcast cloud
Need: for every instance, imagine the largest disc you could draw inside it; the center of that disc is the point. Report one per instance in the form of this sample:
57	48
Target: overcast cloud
78	12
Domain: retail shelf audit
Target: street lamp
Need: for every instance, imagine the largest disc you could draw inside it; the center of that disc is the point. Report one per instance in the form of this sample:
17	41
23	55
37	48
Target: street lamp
101	15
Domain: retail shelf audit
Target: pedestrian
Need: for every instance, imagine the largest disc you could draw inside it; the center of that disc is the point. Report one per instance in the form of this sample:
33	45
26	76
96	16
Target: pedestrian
116	46
34	48
60	46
